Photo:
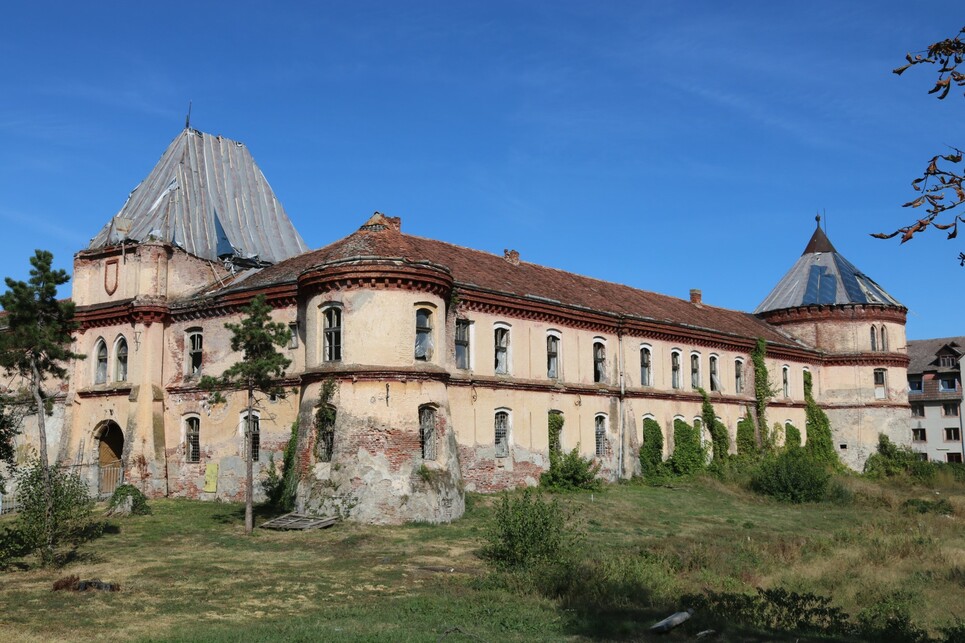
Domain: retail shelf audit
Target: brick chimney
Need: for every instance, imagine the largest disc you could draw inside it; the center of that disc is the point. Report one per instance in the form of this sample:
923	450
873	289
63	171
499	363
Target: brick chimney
695	296
512	256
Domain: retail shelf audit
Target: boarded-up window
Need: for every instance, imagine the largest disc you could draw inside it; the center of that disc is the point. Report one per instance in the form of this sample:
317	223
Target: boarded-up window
502	434
332	340
599	433
427	432
462	344
120	366
192	439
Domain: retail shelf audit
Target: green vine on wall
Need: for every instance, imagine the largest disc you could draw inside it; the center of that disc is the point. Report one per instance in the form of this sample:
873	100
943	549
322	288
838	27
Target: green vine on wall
719	441
820	445
651	453
762	392
688	456
325	420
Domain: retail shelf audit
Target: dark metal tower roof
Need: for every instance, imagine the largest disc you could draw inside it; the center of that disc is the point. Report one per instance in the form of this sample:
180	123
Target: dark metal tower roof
822	276
207	196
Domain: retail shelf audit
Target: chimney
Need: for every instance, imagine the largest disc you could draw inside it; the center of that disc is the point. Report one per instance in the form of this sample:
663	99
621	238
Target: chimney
695	296
512	256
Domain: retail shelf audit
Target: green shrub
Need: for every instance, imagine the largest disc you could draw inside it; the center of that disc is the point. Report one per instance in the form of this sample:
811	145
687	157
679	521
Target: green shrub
888	618
940	506
280	490
554	428
139	505
792	437
719	442
527	531
792	476
70	522
775	609
571	472
893	461
651	453
688	456
746	440
820	444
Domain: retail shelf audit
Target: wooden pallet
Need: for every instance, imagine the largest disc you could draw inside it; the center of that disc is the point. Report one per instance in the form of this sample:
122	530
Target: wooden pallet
298	521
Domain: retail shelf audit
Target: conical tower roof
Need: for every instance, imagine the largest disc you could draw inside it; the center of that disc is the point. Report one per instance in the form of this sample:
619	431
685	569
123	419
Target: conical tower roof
822	276
207	196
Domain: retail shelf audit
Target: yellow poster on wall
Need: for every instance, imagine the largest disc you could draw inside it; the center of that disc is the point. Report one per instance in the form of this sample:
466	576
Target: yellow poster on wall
211	477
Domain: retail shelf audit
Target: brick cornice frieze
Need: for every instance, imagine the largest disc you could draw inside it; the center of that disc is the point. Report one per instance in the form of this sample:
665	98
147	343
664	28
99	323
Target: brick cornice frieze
377	275
837	312
897	360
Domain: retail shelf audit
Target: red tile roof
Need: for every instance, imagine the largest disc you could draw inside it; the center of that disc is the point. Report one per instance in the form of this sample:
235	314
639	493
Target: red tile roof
491	272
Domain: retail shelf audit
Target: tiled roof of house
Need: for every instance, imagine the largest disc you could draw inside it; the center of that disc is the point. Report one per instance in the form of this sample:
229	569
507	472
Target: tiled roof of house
207	196
474	268
923	353
822	276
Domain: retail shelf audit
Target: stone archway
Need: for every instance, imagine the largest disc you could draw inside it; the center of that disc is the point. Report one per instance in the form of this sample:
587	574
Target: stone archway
110	448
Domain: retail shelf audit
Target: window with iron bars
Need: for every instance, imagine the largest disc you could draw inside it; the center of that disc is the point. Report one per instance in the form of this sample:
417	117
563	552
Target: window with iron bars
192	439
501	436
600	434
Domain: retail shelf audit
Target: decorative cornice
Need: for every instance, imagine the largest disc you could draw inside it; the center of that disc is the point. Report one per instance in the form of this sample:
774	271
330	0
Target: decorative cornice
897	360
378	275
107	391
842	312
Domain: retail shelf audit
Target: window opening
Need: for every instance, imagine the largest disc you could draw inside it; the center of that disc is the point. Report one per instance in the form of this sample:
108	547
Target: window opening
293	335
552	356
739	376
599	362
332	341
946	361
423	334
675	370
950	410
254	429
952	434
427	432
462	344
884	338
192	439
502	434
325	417
600	434
646	365
918	435
695	371
786	381
915	384
714	379
501	336
100	374
955	458
874	338
918	410
554	428
120	367
195	351
880	392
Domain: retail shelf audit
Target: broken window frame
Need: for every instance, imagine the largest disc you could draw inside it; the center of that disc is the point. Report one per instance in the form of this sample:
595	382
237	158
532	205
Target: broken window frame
423	334
675	369
427	432
192	439
501	344
120	359
600	434
874	338
293	335
738	376
332	333
646	366
715	386
884	338
502	424
786	380
194	343
695	370
553	355
462	344
100	361
599	361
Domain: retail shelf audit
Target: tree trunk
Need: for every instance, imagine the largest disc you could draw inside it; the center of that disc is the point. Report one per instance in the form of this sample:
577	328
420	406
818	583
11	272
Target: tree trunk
249	476
48	554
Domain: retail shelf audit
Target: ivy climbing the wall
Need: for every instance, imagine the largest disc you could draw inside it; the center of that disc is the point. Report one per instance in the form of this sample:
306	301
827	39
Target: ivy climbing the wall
762	390
719	441
792	437
819	446
746	439
651	453
688	456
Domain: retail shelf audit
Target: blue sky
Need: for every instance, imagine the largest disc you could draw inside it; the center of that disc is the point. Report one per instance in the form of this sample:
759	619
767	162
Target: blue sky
663	145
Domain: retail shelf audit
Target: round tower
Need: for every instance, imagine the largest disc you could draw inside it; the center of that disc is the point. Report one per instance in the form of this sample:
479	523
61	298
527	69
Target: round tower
825	301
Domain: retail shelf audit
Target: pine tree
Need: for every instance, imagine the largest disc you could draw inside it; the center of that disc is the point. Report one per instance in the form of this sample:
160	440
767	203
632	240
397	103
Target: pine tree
35	346
259	370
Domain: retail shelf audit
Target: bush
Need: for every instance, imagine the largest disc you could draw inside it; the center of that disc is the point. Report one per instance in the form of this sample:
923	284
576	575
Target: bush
820	445
688	456
527	531
893	461
571	472
651	453
792	437
889	619
792	476
281	490
70	521
719	441
138	500
746	441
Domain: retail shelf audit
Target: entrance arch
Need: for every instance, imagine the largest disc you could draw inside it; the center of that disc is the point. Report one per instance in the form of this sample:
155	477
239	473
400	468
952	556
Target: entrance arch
110	448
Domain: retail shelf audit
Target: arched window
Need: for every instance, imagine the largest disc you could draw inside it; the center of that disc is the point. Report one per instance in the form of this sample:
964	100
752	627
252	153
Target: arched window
120	360
738	376
192	439
501	348
501	433
427	432
552	355
675	369
599	434
646	366
423	334
874	338
195	344
100	366
332	334
254	429
786	381
695	370
599	361
884	338
714	377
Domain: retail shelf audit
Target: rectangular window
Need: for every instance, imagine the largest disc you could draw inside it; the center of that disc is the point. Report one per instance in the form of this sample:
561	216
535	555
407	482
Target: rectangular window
423	334
293	335
462	344
253	428
646	376
195	351
952	434
695	371
675	370
947	361
917	410
714	379
918	435
501	437
599	362
600	434
192	440
947	384
880	391
953	458
427	432
332	340
552	357
922	456
950	409
739	376
501	340
915	384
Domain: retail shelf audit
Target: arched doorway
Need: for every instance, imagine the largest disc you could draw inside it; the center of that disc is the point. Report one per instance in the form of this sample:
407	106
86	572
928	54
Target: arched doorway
110	447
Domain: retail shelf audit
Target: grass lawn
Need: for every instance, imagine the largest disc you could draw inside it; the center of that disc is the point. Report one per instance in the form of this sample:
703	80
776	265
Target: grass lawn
188	573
